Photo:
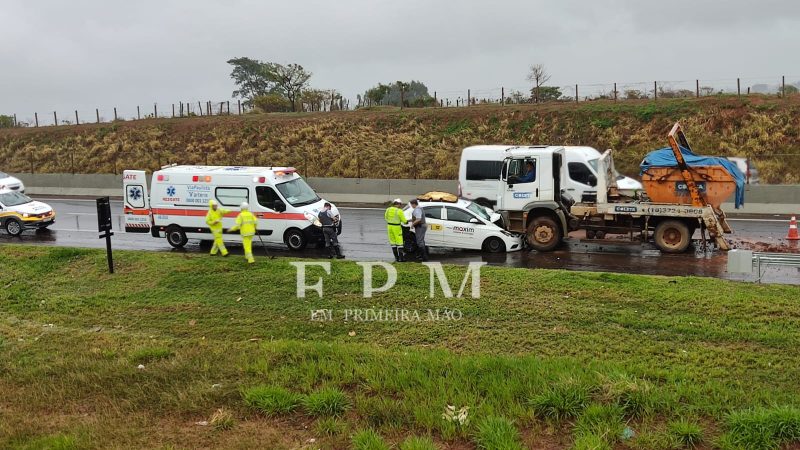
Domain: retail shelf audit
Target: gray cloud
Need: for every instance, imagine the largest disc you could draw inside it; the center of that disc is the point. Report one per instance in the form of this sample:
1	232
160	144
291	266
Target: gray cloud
87	54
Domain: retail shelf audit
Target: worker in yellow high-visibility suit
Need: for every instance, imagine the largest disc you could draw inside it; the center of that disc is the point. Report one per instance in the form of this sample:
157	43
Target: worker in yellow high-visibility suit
214	222
395	218
246	224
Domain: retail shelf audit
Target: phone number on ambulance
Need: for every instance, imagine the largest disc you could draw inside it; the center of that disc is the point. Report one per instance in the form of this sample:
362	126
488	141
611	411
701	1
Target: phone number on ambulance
672	210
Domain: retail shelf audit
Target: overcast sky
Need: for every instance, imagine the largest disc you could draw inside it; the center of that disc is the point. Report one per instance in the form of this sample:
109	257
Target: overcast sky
83	54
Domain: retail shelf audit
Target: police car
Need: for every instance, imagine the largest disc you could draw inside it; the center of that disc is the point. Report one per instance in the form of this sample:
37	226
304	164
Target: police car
459	223
18	212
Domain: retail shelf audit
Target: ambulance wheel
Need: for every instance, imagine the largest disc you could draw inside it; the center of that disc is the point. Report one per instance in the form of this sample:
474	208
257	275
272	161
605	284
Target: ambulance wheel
672	236
13	227
494	245
176	236
295	239
543	234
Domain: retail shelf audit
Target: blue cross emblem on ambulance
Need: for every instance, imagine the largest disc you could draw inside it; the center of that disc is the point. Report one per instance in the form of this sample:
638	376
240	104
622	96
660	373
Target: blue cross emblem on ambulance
171	191
134	193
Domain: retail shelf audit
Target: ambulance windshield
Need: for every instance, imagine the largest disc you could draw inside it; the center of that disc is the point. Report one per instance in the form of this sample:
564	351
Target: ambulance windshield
297	192
14	199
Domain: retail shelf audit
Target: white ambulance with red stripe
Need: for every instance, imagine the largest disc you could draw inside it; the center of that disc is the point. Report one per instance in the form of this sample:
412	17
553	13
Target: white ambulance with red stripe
176	205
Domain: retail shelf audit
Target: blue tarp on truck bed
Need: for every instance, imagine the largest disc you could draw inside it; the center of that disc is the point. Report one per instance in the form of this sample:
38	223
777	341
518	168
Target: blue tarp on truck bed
665	158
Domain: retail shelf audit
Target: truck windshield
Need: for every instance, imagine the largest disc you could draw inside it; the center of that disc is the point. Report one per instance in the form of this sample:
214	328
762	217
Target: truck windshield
14	199
297	192
479	210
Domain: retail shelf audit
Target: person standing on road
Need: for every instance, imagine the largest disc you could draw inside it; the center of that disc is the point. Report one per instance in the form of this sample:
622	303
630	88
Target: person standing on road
214	222
418	222
246	224
394	226
329	222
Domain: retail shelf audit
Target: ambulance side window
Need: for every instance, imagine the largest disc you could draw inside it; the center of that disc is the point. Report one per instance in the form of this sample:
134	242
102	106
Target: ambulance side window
266	196
135	196
232	196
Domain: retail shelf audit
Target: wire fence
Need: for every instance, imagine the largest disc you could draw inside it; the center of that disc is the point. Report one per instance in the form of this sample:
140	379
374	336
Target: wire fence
502	95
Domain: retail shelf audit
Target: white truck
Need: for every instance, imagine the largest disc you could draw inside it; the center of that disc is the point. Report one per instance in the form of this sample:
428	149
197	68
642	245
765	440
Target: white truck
545	214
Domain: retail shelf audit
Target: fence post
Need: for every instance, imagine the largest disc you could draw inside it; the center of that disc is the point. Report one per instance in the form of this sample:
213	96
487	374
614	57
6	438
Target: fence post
783	86
115	113
36	118
697	88
469	98
200	108
738	88
97	113
77	122
239	105
55	118
435	99
138	113
208	107
576	93
502	96
173	110
15	121
155	110
655	90
615	91
228	104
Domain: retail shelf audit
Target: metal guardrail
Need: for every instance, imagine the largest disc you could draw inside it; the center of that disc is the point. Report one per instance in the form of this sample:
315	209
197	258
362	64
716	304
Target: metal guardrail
749	262
763	259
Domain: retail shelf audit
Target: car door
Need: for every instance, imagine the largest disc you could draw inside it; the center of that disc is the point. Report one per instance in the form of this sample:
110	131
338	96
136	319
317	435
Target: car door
461	228
434	235
517	194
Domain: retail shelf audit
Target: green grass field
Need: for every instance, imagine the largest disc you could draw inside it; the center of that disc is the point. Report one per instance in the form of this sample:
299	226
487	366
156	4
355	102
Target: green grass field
188	351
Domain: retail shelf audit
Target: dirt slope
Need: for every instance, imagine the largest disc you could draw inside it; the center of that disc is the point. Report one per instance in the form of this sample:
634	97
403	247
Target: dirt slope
416	143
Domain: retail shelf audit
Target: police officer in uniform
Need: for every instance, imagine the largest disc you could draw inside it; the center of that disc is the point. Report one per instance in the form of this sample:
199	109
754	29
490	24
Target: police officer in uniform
329	222
418	222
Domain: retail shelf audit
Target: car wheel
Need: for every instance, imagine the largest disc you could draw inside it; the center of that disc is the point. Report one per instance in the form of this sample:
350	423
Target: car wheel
672	236
295	239
543	234
176	236
494	245
13	227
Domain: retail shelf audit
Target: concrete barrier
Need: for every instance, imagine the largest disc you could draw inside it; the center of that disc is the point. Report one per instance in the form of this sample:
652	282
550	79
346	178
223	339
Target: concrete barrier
759	199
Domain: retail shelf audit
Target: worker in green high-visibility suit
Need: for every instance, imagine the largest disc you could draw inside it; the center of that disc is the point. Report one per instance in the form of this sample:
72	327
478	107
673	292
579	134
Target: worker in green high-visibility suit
214	222
246	224
395	218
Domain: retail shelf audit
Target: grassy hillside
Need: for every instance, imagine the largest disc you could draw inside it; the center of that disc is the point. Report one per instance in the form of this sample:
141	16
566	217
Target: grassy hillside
416	143
187	351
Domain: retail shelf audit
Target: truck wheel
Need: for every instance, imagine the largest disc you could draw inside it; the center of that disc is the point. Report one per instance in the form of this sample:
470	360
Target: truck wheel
543	234
494	245
672	236
176	236
295	239
13	227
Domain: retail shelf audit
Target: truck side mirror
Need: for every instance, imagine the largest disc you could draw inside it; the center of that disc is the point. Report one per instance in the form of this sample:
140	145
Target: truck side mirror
279	206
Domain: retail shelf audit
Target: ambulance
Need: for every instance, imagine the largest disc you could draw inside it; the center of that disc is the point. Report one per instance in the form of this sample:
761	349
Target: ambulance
176	205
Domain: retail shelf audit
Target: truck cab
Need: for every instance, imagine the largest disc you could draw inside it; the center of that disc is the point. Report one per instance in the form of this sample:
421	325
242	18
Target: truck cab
529	195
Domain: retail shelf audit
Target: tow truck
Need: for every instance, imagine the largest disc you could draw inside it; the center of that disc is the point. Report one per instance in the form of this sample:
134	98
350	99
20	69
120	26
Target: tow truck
545	215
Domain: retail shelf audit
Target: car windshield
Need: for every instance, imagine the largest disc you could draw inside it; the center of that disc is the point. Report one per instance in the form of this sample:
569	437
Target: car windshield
3	175
479	210
14	199
297	192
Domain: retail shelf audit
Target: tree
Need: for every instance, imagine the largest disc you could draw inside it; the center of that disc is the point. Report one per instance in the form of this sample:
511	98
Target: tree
6	122
376	94
271	103
252	77
790	89
290	79
547	93
538	76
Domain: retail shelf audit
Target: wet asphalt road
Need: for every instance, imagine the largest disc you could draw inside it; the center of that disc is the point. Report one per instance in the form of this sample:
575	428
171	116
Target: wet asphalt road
364	238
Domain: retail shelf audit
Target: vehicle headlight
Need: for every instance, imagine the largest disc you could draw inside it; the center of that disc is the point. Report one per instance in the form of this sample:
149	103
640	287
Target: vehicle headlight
313	219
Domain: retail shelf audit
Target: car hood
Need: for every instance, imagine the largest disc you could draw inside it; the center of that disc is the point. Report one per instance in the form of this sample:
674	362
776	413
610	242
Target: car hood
33	207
